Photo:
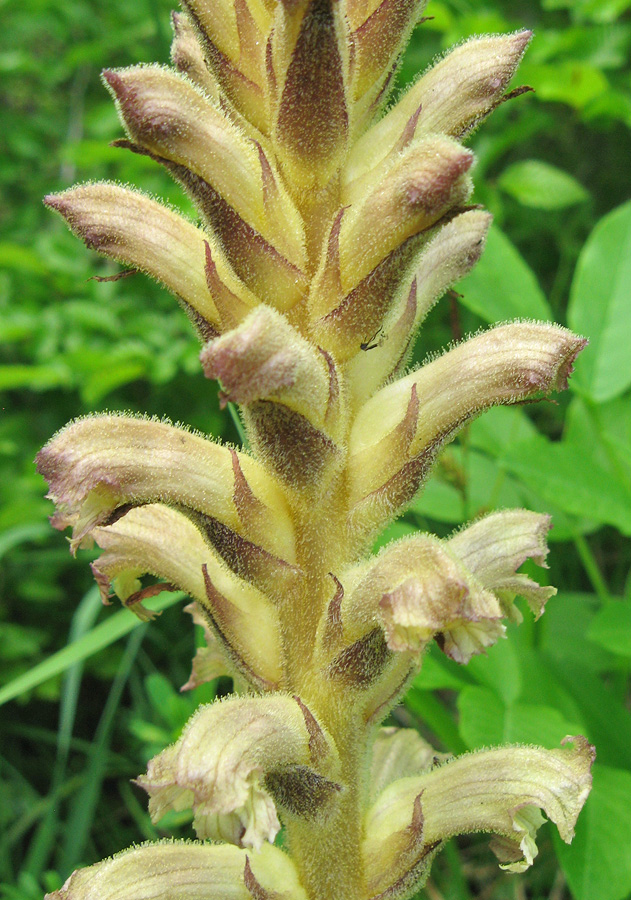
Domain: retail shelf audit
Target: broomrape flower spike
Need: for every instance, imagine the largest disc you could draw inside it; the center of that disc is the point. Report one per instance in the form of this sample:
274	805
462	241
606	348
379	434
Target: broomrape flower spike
328	227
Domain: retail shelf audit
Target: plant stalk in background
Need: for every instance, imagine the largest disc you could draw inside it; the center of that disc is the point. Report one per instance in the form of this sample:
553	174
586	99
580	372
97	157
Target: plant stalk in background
328	229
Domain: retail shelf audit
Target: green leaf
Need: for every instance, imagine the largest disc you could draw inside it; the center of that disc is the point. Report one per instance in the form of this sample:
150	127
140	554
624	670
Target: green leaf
502	286
611	628
608	724
499	670
600	307
109	631
598	864
541	186
571	82
440	501
565	476
603	433
485	719
439	672
569	618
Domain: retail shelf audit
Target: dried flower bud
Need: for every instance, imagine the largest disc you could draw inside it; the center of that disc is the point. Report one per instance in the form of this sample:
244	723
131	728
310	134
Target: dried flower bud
380	38
265	358
162	542
289	388
167	116
448	257
421	186
233	36
98	466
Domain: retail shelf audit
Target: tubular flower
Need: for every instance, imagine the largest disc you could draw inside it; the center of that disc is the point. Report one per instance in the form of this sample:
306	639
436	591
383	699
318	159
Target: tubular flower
327	229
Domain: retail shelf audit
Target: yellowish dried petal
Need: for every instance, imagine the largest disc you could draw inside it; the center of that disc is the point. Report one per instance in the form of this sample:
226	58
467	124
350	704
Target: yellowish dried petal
186	870
135	230
421	591
99	465
405	422
489	790
164	543
399	753
223	765
496	546
209	662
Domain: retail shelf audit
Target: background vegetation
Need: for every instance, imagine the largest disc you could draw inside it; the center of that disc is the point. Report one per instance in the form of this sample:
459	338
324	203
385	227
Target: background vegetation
553	167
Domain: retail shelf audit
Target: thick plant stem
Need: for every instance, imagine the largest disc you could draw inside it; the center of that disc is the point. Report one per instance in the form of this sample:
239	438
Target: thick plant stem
327	854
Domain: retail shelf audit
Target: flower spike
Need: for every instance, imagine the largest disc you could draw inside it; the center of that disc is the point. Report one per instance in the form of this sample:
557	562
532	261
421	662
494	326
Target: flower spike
328	228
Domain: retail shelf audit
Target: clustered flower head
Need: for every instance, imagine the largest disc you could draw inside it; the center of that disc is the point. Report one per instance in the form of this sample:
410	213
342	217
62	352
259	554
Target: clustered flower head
329	224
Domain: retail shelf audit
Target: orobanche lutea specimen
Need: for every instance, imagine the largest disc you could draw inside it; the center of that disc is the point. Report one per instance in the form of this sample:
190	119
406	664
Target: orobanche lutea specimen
330	223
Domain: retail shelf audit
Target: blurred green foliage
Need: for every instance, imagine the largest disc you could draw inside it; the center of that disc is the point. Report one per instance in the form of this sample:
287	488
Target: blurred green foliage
553	167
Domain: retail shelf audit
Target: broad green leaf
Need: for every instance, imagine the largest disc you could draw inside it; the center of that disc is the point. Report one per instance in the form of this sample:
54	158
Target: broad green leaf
481	720
439	672
569	618
440	501
602	432
600	307
542	186
569	81
564	475
541	687
608	723
499	670
485	719
427	707
112	629
611	627
499	428
598	863
502	286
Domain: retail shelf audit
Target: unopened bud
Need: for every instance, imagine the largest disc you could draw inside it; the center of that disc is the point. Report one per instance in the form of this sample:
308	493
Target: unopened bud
421	186
133	229
187	55
451	98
